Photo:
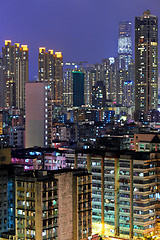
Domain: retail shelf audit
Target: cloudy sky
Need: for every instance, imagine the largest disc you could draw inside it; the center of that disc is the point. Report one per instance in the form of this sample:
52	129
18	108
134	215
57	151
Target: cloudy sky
81	29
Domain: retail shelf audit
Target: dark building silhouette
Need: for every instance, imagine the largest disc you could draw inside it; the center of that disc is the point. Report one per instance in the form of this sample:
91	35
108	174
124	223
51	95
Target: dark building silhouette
99	95
78	89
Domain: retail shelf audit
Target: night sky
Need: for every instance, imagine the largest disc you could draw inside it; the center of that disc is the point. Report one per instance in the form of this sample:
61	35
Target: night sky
84	30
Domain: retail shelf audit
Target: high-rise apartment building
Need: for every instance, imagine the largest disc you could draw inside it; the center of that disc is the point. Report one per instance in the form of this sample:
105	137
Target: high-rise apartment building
38	115
121	78
125	191
106	76
15	62
42	65
58	79
7	195
73	85
2	84
45	65
113	79
21	75
106	72
99	95
146	63
36	206
50	69
128	98
131	78
68	88
54	205
124	44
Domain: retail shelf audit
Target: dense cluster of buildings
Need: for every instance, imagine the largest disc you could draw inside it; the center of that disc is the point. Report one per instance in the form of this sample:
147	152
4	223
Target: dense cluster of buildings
80	147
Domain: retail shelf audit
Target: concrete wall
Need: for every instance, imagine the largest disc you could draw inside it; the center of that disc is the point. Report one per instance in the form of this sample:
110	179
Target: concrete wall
143	137
65	206
35	104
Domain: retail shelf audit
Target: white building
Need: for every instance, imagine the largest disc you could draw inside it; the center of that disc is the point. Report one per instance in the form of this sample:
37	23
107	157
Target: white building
38	115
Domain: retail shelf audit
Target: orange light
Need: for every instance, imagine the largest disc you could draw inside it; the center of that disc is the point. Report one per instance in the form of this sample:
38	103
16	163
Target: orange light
42	49
17	44
154	43
50	51
7	41
24	47
58	54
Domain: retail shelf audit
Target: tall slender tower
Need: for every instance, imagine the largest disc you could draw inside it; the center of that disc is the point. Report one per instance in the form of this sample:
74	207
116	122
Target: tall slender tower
124	44
15	62
2	84
45	65
38	115
58	79
22	76
146	63
42	65
50	69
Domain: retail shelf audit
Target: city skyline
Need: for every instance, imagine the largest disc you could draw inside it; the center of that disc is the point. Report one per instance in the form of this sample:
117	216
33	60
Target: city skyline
80	30
79	120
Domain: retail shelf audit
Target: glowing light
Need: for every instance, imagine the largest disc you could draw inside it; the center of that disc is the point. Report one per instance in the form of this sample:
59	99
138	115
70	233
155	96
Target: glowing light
7	41
41	49
124	118
24	47
17	44
58	54
154	43
50	51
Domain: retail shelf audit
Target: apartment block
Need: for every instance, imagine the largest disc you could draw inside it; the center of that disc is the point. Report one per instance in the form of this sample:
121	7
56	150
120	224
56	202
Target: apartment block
125	191
7	197
38	115
54	205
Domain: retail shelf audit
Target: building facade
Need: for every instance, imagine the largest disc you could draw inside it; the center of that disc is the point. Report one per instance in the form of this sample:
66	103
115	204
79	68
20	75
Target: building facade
124	44
15	62
38	115
146	63
99	95
78	89
125	191
7	196
45	198
50	70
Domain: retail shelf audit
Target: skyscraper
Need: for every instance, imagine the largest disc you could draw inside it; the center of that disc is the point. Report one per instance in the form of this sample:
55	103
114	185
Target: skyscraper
99	95
42	65
106	76
146	62
21	71
58	79
50	69
45	65
68	88
38	115
15	62
78	89
121	79
124	44
128	94
131	78
113	85
2	84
